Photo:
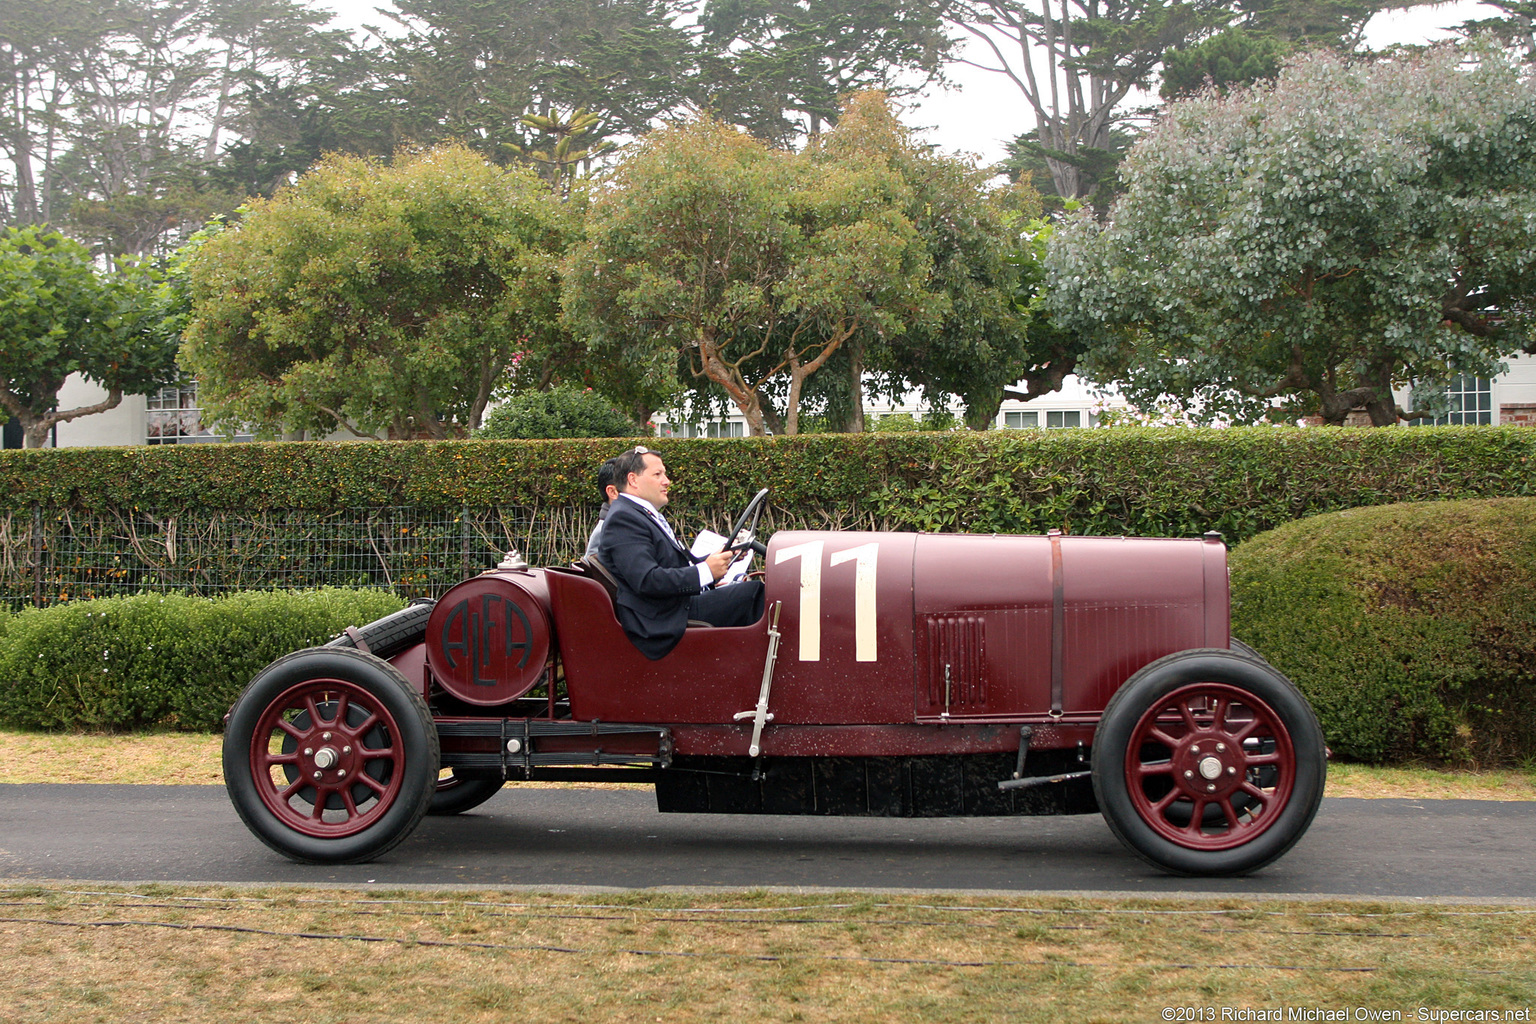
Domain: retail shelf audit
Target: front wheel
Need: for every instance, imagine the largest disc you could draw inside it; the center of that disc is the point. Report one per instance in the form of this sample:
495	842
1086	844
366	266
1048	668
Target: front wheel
330	756
1209	763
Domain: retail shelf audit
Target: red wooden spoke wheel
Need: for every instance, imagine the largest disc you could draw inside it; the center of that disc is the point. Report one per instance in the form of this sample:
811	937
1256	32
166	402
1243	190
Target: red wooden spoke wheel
330	756
331	764
1210	766
456	793
1208	763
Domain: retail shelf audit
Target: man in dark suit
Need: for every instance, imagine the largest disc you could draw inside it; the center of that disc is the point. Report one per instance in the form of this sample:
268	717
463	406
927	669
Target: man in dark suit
609	490
660	584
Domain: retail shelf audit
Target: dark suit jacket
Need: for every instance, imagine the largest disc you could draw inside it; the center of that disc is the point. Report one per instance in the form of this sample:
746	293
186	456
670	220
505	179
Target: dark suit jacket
656	578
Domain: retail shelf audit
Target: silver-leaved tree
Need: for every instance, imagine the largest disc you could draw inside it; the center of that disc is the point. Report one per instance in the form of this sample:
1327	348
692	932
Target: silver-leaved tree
1308	246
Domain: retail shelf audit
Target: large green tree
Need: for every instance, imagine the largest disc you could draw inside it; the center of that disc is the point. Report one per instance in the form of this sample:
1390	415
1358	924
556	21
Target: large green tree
1261	34
976	346
60	315
113	112
387	300
1316	243
474	71
749	264
1076	63
780	68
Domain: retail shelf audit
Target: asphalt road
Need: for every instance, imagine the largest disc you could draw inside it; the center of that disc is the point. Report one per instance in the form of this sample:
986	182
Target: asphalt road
1470	849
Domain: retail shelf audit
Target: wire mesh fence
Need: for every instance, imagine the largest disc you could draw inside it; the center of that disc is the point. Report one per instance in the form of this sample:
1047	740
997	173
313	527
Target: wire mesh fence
48	556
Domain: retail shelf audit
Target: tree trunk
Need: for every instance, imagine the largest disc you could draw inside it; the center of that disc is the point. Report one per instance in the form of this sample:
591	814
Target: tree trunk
981	410
35	426
729	378
855	424
771	418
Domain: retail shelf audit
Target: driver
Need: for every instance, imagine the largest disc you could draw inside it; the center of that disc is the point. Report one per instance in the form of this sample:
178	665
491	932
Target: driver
661	586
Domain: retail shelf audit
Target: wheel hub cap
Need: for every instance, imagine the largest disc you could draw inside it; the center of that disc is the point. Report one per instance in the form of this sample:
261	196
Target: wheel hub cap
1210	767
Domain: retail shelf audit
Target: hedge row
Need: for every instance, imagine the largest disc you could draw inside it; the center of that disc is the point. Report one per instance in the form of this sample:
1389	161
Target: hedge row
1411	628
1154	482
160	660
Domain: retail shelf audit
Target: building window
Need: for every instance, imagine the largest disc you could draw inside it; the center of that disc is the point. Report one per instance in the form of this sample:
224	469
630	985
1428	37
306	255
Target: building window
1471	403
719	428
174	417
1053	420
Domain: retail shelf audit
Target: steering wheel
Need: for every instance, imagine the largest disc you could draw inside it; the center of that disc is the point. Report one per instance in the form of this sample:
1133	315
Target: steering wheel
746	523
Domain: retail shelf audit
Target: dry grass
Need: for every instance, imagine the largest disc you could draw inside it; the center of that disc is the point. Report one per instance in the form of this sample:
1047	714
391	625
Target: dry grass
191	758
157	758
217	954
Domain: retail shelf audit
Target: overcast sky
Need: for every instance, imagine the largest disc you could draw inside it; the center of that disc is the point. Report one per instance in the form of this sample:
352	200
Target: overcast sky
985	110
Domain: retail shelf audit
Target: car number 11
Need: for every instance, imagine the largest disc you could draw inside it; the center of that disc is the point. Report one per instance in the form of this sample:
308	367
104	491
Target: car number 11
863	557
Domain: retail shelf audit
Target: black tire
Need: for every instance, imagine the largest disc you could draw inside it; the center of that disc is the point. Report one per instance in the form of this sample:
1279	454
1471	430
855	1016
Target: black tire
330	756
456	794
392	634
1202	729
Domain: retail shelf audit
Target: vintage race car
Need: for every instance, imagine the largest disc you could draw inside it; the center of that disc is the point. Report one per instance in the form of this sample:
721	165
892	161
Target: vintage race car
892	674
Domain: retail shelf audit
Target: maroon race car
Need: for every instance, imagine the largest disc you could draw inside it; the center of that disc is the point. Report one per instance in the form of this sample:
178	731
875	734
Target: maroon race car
893	674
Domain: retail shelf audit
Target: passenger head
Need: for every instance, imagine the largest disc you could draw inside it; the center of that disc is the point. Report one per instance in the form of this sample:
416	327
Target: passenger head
608	480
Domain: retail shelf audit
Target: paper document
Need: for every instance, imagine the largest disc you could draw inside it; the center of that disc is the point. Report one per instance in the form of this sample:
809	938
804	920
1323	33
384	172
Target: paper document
708	542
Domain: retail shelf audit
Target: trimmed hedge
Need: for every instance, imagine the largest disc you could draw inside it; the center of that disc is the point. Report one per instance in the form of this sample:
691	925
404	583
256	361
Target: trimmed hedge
1410	627
157	661
1148	481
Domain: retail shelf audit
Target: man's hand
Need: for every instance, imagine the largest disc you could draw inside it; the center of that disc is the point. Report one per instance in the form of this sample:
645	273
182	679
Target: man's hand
719	562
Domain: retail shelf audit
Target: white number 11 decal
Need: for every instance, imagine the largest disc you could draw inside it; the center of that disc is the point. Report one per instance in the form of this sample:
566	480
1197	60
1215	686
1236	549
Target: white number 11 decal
863	558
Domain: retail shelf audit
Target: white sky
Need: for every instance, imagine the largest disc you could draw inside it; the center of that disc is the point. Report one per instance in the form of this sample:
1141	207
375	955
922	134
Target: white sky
984	110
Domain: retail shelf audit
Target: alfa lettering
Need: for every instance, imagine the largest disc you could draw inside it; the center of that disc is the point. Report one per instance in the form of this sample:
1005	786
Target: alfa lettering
482	631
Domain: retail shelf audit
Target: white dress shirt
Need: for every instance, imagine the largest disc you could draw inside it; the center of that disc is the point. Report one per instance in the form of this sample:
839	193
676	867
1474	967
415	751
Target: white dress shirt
706	578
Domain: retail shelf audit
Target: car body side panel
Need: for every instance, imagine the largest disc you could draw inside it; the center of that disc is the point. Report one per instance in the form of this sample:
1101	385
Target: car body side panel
990	621
709	676
845	648
1128	602
983	610
880	628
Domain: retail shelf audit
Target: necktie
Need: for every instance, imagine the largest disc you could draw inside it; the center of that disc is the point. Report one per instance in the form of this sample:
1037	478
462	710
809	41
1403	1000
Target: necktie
666	529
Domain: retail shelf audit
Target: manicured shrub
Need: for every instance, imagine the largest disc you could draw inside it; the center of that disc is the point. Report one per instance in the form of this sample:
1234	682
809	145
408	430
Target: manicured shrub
559	412
1410	627
160	660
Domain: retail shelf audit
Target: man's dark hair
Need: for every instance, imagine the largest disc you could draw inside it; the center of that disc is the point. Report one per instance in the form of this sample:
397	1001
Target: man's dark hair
606	478
632	461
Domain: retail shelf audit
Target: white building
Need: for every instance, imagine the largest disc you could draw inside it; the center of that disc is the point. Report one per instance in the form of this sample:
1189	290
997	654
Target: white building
1075	405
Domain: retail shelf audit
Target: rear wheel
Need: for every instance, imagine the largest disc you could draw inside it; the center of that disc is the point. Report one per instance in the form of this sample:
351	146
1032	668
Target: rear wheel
457	793
330	756
1209	763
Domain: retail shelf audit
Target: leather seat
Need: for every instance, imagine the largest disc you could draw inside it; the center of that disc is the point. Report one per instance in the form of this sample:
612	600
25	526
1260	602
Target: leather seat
600	572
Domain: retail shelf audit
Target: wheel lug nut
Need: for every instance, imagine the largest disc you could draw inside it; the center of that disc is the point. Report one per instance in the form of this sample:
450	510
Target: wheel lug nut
1194	749
1231	771
1211	788
325	735
308	751
1220	747
344	771
318	775
1188	774
346	750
